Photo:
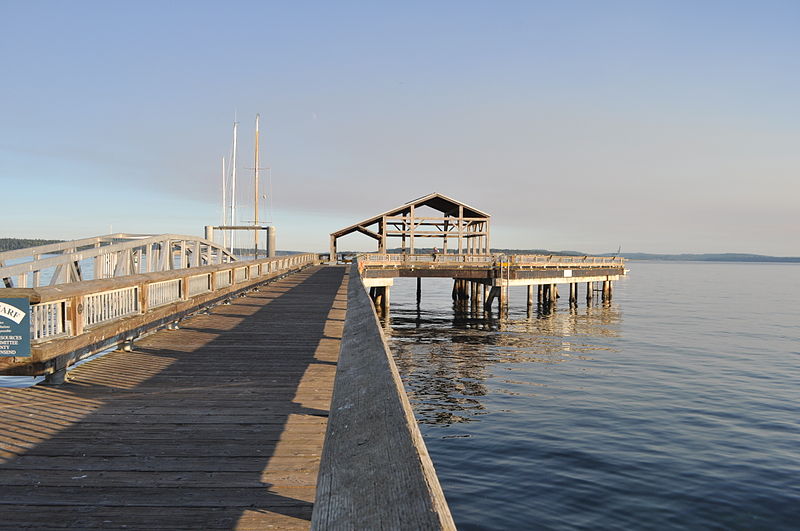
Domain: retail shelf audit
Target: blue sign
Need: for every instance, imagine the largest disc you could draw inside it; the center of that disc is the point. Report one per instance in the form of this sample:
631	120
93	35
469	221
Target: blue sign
15	327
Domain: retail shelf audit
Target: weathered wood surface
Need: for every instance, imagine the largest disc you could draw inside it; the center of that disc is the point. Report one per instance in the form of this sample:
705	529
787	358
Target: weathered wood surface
375	472
50	355
218	425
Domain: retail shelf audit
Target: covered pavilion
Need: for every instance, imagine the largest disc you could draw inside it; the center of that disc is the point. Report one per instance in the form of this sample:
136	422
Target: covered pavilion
460	229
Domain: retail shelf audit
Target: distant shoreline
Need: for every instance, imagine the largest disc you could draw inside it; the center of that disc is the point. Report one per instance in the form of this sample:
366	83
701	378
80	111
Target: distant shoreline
722	257
7	244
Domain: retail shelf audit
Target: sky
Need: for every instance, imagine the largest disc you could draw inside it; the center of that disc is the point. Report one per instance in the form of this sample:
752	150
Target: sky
655	126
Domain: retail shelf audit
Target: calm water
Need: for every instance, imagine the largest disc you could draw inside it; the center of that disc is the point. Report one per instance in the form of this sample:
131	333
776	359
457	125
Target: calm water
676	406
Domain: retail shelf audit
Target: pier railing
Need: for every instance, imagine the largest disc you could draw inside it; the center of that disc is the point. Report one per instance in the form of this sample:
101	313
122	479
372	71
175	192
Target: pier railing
72	321
521	260
109	256
375	470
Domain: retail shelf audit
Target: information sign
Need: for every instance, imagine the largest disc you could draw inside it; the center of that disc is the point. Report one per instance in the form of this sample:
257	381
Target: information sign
15	327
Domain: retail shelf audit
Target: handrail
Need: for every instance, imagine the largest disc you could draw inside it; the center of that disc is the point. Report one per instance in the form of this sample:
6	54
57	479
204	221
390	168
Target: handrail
112	257
51	248
374	455
368	259
76	319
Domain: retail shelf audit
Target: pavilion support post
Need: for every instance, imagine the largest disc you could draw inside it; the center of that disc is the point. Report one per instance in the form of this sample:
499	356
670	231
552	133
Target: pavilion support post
382	232
573	292
411	224
539	289
460	229
589	289
444	236
419	290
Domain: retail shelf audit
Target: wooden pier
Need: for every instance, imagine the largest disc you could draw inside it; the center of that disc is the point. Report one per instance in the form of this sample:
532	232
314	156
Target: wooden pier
217	425
253	394
480	280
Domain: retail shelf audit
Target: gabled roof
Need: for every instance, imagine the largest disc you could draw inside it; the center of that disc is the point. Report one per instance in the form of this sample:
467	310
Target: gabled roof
442	203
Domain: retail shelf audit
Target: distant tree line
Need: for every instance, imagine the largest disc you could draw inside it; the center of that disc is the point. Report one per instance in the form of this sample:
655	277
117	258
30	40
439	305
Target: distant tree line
709	257
11	244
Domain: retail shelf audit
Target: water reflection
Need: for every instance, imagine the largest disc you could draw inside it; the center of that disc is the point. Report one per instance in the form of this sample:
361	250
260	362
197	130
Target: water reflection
446	353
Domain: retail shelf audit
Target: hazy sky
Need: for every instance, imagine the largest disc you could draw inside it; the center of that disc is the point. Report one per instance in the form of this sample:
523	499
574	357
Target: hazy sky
660	126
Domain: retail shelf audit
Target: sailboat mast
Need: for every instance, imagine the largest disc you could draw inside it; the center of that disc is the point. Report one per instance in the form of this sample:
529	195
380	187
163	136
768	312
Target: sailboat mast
224	204
233	184
255	195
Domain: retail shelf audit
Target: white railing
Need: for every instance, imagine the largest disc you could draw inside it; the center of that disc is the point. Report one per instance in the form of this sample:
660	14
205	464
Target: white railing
222	279
198	284
110	305
54	317
161	293
389	259
110	256
49	320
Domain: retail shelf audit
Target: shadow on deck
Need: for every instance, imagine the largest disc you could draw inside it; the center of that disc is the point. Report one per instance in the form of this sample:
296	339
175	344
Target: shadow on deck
218	425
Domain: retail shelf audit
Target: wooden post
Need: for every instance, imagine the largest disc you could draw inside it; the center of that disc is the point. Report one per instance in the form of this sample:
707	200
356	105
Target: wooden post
589	292
530	297
419	290
460	229
494	293
604	295
382	243
411	231
444	237
385	301
539	293
573	292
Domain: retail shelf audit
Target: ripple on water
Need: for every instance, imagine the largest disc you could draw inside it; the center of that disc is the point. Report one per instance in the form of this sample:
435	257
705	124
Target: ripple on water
673	407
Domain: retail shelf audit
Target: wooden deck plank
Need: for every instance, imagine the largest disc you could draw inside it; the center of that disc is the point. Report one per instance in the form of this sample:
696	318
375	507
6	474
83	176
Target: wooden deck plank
217	425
